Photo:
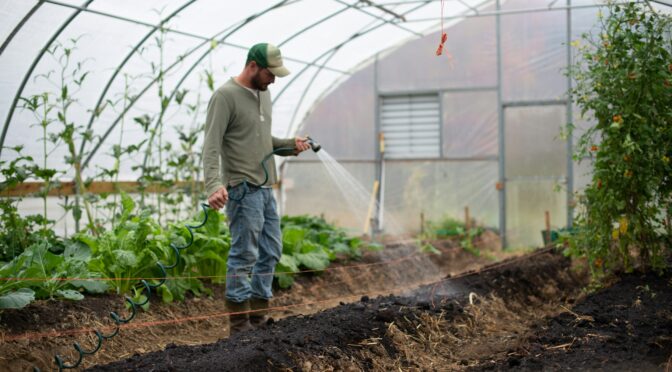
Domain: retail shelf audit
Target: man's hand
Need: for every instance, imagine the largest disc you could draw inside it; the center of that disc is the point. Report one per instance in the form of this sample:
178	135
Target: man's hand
300	145
218	198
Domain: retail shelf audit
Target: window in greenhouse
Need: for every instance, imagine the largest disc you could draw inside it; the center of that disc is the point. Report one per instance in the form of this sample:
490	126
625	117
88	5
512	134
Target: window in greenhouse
411	125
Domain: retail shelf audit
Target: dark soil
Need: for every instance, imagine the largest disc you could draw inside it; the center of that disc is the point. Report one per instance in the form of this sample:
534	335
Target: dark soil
627	327
58	314
32	336
336	333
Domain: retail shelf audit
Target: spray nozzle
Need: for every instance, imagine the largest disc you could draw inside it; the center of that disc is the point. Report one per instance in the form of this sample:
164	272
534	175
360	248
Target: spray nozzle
314	144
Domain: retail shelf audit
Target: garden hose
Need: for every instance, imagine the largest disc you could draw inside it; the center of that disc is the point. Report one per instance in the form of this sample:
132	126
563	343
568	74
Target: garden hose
118	320
147	287
314	145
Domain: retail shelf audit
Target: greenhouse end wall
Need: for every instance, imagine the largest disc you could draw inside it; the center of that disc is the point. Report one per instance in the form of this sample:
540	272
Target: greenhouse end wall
533	153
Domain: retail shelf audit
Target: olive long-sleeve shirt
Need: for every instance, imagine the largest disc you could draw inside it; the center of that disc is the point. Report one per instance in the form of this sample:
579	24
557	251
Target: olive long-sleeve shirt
238	137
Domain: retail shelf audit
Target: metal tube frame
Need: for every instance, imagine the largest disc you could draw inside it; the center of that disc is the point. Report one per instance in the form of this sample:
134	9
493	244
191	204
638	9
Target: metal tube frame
19	25
96	109
500	130
570	120
141	93
26	77
323	65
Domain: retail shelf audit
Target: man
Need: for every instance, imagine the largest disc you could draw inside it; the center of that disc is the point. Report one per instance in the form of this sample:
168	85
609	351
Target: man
237	139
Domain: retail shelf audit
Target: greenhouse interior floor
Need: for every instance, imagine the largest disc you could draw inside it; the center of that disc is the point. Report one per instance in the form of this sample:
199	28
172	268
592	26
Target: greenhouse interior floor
453	311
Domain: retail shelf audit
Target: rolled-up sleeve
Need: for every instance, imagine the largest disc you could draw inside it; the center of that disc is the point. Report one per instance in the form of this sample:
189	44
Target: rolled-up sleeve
286	143
216	123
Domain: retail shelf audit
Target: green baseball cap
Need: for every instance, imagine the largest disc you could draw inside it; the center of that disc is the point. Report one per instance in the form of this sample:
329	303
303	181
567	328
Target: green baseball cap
268	56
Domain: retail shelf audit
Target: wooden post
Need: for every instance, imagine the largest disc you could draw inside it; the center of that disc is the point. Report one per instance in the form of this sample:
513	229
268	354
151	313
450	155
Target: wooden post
467	219
372	204
547	216
422	222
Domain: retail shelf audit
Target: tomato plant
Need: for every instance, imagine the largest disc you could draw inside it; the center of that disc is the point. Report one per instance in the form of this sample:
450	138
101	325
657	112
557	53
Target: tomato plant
623	82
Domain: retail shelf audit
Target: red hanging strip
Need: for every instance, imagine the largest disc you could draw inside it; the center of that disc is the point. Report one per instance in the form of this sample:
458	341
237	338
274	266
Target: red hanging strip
444	37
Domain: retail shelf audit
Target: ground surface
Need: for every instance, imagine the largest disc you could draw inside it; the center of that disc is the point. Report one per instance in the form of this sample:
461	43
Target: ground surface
30	337
625	327
361	335
400	311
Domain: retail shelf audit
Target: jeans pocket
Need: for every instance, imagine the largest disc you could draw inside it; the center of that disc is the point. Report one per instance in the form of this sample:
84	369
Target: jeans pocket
237	192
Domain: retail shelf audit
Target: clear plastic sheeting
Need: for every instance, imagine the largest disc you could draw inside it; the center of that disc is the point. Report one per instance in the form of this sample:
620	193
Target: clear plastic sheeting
470	125
533	56
344	119
527	202
469	59
151	67
439	189
533	144
307	188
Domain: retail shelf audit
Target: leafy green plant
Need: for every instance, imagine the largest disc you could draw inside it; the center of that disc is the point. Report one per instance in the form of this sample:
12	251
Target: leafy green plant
41	108
130	250
206	257
70	76
38	273
312	243
18	232
624	81
451	228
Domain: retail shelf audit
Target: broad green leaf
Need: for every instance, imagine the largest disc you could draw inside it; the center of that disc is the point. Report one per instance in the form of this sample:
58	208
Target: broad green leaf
317	260
341	248
17	299
128	205
288	264
124	259
70	294
292	237
91	286
285	280
76	250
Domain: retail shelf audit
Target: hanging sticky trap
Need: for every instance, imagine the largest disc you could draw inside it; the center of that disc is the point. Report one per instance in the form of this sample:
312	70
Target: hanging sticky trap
444	37
439	50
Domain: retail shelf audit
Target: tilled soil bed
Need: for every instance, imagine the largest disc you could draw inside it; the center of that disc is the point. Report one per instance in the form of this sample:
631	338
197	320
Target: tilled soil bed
451	324
627	327
32	336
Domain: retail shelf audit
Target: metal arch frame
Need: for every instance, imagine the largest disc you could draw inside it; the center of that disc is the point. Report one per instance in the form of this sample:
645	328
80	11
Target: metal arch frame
333	52
335	49
20	25
144	90
167	29
194	65
37	60
95	112
381	18
79	9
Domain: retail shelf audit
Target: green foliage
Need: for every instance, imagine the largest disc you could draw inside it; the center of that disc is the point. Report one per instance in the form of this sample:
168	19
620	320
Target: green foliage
451	228
17	233
130	250
624	81
40	274
310	243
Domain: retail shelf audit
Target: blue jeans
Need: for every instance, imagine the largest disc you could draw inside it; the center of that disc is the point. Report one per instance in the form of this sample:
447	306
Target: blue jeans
256	243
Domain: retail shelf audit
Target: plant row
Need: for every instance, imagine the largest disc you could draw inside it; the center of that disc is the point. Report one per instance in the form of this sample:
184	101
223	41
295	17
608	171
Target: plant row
48	267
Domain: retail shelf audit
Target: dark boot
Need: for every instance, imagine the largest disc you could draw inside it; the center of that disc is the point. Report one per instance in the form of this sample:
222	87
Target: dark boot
259	313
238	322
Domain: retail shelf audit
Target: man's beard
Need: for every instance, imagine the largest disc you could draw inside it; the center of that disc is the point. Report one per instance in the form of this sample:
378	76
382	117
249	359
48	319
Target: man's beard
257	84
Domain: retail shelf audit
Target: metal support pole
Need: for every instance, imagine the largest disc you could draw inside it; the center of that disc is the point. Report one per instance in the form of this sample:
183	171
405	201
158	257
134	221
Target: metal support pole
376	136
570	120
500	130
